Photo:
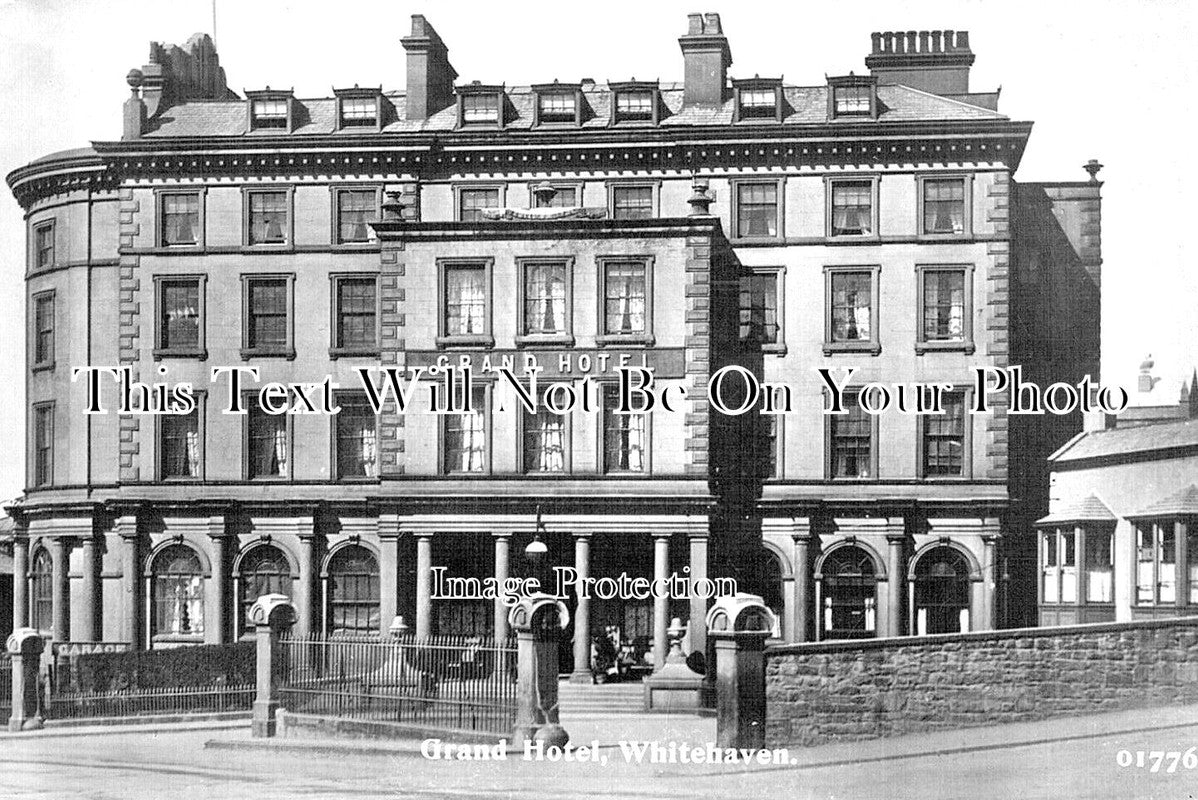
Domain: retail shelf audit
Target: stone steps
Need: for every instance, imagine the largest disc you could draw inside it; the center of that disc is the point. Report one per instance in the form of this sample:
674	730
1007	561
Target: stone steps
581	699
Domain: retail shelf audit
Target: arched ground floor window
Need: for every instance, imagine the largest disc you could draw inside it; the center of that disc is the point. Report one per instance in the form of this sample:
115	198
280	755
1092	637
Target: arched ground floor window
848	587
177	593
352	592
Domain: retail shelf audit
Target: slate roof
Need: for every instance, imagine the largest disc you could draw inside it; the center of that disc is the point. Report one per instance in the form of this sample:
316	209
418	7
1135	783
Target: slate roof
802	105
1091	509
1125	441
1177	504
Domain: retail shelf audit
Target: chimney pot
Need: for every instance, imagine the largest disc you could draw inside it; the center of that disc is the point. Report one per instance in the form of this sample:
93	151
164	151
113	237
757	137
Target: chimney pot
949	44
877	42
712	25
962	40
695	27
936	41
923	42
932	61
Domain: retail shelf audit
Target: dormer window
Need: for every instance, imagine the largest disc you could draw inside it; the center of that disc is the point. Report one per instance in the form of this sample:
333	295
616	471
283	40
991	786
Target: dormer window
480	106
557	104
758	99
270	110
853	96
634	102
358	108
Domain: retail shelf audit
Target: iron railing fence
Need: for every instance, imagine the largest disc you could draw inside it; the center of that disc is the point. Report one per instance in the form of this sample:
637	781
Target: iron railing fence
5	686
438	683
184	680
138	702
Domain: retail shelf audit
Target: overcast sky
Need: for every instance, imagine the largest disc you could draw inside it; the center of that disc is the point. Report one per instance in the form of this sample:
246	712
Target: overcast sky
1109	80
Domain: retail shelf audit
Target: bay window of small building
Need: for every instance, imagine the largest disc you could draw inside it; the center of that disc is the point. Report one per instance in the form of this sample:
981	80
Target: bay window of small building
545	442
41	590
851	316
945	312
177	594
180	219
1166	552
262	570
465	436
180	318
852	441
945	210
626	296
1098	565
43	244
268	217
625	445
269	327
465	293
355	315
473	201
1076	564
632	201
43	330
355	210
847	586
944	439
181	445
758	212
351	591
546	293
851	208
355	441
267	442
43	444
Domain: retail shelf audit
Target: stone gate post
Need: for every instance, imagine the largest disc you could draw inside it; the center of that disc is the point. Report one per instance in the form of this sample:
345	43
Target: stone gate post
538	621
25	647
272	615
740	625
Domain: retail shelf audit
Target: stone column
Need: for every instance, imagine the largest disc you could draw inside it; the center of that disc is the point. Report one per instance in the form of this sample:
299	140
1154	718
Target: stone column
802	583
503	542
218	631
661	605
740	688
388	580
60	610
20	581
131	581
91	604
304	592
989	620
897	567
698	619
582	612
424	569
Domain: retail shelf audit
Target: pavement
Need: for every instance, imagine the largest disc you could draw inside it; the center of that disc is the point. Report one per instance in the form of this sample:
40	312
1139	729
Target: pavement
1072	757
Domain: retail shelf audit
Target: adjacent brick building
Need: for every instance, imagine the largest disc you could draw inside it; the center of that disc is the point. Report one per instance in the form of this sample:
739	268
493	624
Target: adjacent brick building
866	221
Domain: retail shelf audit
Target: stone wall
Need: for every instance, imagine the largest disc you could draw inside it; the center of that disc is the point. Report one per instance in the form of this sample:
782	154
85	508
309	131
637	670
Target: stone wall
838	691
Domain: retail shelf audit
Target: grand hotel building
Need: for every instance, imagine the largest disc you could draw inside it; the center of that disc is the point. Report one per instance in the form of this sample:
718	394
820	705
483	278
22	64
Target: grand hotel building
867	221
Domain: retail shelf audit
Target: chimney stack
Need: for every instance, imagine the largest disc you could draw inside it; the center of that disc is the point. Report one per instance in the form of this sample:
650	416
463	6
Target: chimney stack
430	75
933	61
707	58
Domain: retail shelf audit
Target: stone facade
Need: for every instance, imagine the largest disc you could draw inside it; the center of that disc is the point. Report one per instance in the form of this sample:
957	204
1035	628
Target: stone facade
862	690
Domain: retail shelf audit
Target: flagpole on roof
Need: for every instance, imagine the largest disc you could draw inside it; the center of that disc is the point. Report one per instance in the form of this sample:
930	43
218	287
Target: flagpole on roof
213	23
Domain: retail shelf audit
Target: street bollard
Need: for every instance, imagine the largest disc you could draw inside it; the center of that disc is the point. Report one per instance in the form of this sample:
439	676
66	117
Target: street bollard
273	615
25	645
